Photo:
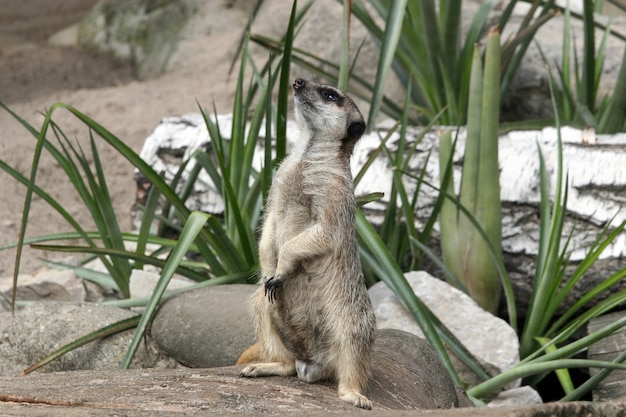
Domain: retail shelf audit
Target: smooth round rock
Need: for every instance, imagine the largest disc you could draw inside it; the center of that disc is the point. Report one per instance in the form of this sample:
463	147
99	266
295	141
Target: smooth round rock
407	373
206	328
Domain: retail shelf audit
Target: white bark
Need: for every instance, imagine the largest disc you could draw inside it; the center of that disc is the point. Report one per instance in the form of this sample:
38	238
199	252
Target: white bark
595	167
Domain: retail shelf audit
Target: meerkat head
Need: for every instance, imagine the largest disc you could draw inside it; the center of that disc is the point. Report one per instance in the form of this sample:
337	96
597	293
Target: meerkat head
326	114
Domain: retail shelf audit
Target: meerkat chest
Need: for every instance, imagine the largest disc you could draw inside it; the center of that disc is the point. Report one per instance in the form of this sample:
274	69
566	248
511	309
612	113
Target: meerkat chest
293	204
291	188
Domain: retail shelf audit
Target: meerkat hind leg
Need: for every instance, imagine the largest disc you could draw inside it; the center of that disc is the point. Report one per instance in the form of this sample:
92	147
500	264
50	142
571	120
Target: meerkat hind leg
352	378
269	369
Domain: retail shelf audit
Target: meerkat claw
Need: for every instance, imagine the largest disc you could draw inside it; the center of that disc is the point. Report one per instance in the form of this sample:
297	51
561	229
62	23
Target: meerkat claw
270	289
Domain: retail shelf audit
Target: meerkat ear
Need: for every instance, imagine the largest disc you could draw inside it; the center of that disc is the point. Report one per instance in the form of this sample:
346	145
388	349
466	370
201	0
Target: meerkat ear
356	129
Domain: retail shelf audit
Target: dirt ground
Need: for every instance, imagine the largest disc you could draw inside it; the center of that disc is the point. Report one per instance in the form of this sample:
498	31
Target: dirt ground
34	75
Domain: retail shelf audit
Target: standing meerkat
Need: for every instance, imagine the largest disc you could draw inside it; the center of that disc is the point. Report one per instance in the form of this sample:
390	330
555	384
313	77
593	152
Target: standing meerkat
313	315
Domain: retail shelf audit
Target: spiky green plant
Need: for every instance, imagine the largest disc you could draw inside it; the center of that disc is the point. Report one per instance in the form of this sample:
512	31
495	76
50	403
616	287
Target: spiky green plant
576	99
227	246
421	41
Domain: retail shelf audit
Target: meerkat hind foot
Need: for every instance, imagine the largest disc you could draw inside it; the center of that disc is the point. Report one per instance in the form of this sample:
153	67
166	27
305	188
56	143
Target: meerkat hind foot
356	399
309	371
268	369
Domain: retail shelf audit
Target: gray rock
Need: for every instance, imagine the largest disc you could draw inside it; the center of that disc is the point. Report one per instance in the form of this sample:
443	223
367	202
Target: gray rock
516	397
489	338
143	32
207	327
47	284
142	281
40	328
211	327
148	33
5	303
407	373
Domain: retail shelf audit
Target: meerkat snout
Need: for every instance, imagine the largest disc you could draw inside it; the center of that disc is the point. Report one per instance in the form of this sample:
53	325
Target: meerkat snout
298	83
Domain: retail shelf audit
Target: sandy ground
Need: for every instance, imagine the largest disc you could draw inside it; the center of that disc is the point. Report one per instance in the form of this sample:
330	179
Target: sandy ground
34	75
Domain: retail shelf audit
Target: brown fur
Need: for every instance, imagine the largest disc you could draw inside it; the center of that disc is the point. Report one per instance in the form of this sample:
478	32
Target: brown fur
312	311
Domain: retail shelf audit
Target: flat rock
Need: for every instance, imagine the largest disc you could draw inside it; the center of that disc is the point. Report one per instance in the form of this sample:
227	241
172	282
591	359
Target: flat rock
43	327
407	373
46	284
206	328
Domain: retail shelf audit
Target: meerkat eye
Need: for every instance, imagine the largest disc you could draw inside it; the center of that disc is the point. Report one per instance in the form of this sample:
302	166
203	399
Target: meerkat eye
330	96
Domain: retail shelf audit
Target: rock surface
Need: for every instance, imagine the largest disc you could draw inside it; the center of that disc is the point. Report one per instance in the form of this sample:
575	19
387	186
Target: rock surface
406	374
516	397
175	392
211	327
145	33
43	327
487	337
206	328
47	284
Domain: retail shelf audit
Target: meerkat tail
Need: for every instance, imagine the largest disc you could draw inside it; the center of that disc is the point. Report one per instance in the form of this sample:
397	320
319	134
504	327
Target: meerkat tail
252	354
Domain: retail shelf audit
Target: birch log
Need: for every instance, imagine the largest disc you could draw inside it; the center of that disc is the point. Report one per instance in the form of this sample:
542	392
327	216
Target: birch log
595	166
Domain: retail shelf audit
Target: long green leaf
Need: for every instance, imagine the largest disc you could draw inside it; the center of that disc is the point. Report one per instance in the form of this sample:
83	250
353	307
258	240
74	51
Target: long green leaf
27	201
244	277
393	27
522	371
283	88
192	228
150	260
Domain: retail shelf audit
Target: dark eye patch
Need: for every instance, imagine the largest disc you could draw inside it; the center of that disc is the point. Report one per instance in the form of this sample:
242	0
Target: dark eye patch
331	95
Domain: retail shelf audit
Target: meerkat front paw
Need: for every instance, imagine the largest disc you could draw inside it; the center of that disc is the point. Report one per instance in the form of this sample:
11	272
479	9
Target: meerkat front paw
271	284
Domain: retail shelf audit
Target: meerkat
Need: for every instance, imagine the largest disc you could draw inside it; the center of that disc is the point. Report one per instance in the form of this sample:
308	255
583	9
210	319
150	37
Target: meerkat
313	315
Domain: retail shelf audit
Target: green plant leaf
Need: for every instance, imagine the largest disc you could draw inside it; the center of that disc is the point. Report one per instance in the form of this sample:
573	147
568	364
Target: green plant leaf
192	229
393	27
562	374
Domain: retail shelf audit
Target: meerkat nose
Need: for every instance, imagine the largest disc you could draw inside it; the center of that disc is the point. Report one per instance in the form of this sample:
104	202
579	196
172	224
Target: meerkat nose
299	83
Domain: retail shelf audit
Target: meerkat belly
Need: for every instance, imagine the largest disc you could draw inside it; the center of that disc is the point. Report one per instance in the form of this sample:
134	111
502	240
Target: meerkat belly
297	319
